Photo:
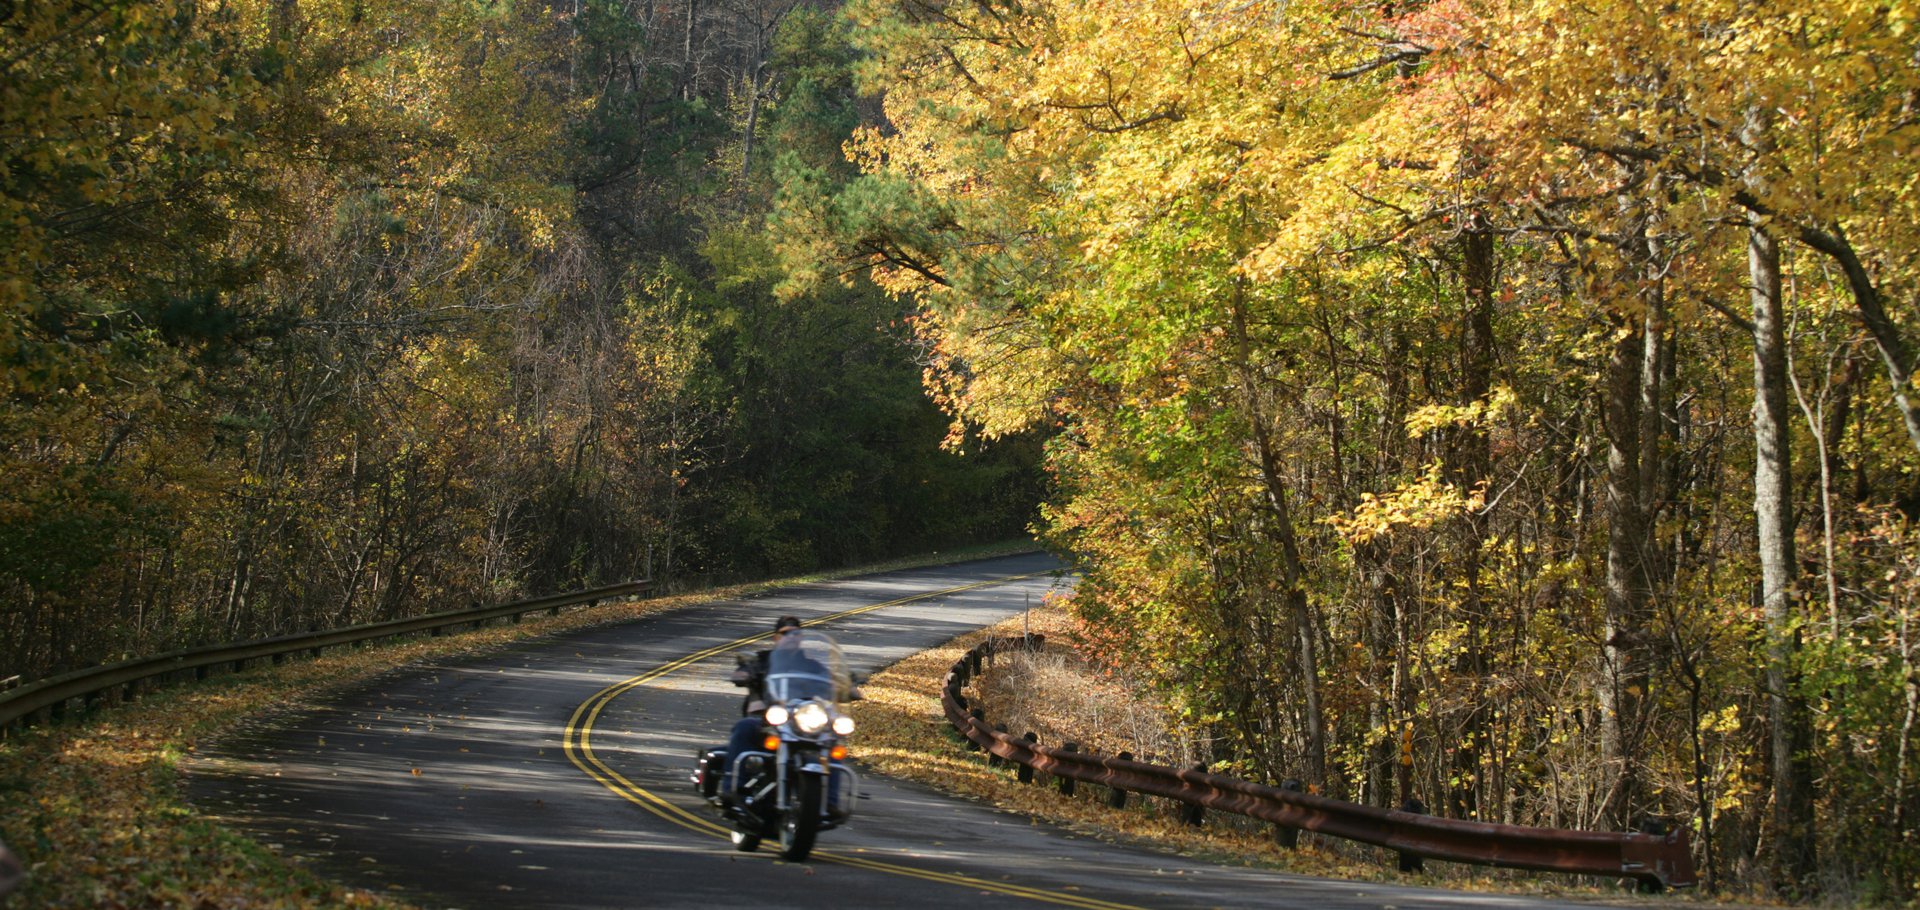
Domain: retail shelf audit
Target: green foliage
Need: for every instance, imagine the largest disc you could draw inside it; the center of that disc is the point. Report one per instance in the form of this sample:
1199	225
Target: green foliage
329	312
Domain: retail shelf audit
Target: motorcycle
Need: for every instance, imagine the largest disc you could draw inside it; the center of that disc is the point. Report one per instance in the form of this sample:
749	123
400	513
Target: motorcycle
798	783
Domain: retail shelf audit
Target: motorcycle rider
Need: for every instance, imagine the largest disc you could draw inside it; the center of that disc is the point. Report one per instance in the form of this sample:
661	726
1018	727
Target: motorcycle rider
752	674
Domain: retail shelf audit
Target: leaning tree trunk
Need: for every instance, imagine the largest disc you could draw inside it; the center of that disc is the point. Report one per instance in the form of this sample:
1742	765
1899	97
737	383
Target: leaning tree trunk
1279	528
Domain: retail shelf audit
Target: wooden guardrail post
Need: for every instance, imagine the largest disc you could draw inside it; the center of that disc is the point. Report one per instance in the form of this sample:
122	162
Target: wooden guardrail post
1066	783
1286	835
1193	814
1026	770
1413	862
980	716
993	760
1116	797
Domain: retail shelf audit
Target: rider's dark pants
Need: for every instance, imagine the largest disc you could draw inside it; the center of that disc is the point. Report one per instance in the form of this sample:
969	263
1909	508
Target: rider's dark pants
746	737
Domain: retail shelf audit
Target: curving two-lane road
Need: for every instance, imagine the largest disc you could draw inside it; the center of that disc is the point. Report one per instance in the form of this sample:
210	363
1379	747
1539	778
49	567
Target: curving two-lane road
555	775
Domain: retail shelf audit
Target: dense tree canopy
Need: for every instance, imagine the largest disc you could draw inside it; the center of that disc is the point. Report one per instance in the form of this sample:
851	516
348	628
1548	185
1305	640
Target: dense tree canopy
1532	379
317	312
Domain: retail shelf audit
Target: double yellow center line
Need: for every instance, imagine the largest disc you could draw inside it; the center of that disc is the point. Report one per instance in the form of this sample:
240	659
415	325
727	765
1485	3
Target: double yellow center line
578	743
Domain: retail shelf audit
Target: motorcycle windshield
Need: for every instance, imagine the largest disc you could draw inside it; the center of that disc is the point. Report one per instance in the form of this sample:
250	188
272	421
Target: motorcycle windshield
806	665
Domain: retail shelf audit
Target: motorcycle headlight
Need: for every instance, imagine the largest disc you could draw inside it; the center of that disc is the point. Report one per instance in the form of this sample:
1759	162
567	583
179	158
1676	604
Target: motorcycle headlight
812	717
843	725
777	715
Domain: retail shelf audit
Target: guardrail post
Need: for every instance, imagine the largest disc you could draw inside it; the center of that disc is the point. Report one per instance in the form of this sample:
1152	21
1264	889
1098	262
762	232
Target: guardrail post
1193	814
981	717
1413	862
993	759
1066	783
1116	797
1026	770
973	660
1285	836
1657	827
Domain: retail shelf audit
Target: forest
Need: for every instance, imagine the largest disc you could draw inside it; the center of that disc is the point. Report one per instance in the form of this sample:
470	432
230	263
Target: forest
317	313
1502	404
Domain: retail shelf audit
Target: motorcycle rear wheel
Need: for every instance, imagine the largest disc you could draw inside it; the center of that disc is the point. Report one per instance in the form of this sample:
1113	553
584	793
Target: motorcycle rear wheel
801	822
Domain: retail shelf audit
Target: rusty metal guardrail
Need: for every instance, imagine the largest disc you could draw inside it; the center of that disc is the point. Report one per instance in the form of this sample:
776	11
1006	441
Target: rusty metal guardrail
1659	861
47	697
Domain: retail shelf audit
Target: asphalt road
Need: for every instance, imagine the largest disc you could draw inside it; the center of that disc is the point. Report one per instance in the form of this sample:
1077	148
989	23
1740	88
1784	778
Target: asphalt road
554	775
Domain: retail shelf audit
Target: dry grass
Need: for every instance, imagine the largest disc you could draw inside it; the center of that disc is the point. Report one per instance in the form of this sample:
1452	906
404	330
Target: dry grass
94	807
1055	694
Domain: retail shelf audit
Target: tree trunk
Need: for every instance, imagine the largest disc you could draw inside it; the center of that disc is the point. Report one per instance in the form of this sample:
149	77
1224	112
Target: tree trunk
1472	465
1279	529
753	126
1895	353
1773	511
687	75
1633	386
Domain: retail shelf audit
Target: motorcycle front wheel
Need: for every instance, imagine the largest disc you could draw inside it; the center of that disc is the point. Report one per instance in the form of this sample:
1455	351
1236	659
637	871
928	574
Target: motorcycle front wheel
744	842
801	821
